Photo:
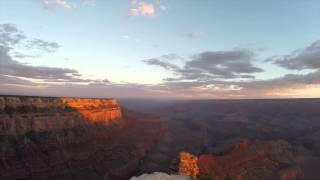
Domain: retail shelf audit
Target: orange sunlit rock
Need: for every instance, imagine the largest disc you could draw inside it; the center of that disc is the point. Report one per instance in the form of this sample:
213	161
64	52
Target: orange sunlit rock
188	164
20	114
97	110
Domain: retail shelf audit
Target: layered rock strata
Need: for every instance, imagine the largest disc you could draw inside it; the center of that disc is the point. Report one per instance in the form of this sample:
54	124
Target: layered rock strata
71	138
19	114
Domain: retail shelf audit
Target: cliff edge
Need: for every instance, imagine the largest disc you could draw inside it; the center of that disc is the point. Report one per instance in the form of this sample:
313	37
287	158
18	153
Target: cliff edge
20	114
72	138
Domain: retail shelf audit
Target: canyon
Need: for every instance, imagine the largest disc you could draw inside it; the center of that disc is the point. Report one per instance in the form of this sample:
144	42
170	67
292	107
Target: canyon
213	131
72	138
96	138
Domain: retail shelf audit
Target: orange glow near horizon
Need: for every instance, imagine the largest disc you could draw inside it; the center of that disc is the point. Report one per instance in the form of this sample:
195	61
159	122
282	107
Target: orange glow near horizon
308	91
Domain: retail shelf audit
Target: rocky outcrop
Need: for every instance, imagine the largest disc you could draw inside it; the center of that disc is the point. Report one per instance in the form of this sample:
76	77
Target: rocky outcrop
188	164
71	138
160	176
290	173
19	114
97	110
260	160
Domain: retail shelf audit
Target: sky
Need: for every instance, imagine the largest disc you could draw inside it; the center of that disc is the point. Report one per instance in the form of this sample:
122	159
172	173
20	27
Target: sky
162	49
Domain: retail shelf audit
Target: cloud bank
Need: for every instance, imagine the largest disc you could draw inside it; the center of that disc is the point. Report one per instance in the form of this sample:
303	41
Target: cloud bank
208	74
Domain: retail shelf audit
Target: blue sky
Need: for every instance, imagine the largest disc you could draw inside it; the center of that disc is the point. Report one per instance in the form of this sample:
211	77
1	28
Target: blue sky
115	39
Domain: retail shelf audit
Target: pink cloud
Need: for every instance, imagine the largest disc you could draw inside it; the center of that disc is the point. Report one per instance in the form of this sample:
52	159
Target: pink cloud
141	8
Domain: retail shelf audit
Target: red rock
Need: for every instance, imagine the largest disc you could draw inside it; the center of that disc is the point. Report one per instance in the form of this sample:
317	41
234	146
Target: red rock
22	114
75	143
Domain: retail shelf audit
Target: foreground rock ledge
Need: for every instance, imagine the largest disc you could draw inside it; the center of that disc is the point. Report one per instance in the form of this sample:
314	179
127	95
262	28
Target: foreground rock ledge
160	176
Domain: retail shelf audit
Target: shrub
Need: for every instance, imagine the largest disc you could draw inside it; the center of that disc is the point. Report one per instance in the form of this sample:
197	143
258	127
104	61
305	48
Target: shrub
205	177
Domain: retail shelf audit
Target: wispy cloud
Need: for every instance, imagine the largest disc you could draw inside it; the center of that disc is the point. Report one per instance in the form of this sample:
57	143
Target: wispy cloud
141	8
56	3
12	38
163	64
193	35
305	58
163	7
126	36
66	4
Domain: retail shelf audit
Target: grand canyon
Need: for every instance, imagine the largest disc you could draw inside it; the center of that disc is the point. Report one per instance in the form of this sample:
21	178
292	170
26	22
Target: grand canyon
94	138
159	90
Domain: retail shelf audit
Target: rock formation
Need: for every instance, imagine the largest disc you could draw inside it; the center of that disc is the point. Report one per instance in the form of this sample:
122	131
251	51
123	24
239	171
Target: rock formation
160	176
260	160
265	160
20	114
188	164
71	138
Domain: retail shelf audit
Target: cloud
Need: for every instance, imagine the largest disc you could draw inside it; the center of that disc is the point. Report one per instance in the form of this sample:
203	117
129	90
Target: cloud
12	68
306	58
20	55
162	61
14	81
231	74
8	28
208	74
163	64
88	2
12	40
286	81
65	4
56	3
133	12
231	63
10	35
43	45
171	56
193	35
163	7
146	9
126	37
141	8
209	65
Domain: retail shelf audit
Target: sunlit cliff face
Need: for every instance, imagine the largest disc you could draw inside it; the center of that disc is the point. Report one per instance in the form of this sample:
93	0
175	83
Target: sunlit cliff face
188	164
20	114
97	110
